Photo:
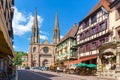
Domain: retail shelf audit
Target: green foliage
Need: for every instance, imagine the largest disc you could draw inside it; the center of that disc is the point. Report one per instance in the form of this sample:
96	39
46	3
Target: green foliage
18	59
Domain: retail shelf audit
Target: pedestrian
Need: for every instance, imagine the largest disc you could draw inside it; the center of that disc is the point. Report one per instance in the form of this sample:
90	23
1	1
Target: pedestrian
9	72
57	70
64	70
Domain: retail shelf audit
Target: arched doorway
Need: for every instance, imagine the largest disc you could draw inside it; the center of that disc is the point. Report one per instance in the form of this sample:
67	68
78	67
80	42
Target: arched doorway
45	62
108	61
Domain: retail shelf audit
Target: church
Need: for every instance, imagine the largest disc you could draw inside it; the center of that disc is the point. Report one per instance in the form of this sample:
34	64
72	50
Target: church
42	54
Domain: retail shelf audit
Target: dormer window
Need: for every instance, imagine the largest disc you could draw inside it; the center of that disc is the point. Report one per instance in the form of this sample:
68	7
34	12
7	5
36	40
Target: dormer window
93	19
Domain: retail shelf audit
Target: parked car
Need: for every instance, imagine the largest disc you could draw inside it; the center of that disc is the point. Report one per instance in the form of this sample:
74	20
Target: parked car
27	67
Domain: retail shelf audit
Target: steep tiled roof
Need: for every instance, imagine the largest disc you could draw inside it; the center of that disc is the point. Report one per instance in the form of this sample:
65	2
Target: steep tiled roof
70	33
104	3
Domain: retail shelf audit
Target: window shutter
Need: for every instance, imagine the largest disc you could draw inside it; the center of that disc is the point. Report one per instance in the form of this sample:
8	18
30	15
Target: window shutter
90	31
90	44
83	35
98	27
106	24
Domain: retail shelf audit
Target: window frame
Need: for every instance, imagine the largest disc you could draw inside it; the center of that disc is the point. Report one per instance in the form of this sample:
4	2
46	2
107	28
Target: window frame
93	19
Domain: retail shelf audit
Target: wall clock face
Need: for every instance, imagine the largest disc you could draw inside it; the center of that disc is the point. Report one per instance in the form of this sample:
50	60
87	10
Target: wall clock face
45	49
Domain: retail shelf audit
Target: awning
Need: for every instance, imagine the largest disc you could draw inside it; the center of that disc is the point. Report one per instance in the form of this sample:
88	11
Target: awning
88	58
72	62
80	60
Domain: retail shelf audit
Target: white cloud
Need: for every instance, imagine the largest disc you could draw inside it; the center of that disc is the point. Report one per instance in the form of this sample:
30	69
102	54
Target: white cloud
45	33
22	23
14	46
43	37
61	36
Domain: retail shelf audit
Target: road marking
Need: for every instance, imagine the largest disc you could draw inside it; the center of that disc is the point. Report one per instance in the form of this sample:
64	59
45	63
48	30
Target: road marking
40	75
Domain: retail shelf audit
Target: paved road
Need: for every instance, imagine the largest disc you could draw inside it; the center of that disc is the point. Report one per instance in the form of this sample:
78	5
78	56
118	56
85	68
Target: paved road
30	75
41	75
47	75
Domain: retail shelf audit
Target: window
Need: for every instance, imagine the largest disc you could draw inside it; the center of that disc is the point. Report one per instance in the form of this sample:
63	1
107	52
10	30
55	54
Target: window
119	34
87	48
87	33
93	19
83	25
103	26
102	40
81	36
86	23
81	49
34	49
93	45
94	30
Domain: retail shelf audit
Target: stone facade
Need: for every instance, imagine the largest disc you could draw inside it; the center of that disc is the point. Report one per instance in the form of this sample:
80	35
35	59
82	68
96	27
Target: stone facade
109	60
42	54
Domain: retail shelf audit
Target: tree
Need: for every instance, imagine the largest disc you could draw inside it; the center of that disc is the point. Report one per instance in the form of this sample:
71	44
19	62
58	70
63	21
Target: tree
18	59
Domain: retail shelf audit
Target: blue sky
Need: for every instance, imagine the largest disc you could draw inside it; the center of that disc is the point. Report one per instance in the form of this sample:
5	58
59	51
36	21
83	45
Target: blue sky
69	12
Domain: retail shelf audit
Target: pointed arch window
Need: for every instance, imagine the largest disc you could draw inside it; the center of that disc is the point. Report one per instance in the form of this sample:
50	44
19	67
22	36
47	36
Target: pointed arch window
34	49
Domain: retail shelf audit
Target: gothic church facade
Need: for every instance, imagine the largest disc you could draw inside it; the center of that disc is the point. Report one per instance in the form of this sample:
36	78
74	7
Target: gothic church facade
42	54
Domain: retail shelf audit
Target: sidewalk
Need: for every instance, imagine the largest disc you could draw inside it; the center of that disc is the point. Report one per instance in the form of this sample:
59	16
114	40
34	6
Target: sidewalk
72	75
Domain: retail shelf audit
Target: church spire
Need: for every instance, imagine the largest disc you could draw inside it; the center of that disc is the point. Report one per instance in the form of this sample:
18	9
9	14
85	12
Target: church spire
35	29
35	18
56	25
56	32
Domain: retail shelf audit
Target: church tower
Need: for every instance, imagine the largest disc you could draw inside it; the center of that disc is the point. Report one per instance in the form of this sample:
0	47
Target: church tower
33	56
56	31
35	30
